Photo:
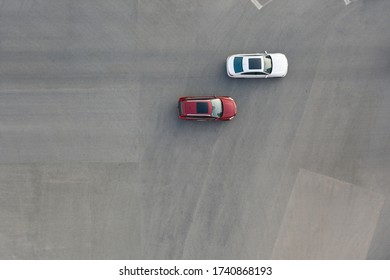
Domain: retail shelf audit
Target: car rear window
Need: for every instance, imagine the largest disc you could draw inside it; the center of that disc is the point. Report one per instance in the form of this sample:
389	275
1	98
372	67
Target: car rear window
254	63
238	64
202	107
179	107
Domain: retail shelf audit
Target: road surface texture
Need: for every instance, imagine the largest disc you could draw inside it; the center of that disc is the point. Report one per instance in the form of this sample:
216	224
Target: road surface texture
95	164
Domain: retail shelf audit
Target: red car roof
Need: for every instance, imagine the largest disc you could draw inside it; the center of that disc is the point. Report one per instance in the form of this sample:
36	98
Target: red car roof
196	107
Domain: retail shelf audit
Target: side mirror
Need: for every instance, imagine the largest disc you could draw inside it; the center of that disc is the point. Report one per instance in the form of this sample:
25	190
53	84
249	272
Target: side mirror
266	76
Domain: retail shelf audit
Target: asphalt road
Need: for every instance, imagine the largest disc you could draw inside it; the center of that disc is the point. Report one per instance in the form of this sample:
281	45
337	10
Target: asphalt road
94	163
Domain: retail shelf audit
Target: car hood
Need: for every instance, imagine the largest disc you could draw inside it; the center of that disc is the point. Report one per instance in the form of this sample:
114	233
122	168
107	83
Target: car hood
279	65
229	107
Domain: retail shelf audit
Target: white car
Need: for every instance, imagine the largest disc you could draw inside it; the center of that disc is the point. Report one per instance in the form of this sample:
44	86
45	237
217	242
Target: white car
257	65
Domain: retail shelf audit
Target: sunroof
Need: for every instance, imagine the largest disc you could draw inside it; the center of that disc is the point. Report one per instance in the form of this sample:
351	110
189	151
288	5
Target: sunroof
254	63
202	107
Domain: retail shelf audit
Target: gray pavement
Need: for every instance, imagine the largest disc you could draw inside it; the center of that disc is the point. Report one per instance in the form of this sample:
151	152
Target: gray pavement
94	162
328	232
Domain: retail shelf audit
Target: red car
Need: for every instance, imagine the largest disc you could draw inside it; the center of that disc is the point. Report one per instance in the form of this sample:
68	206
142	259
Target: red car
207	108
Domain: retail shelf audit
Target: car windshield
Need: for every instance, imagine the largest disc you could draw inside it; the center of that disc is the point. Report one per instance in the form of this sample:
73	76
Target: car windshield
267	64
216	108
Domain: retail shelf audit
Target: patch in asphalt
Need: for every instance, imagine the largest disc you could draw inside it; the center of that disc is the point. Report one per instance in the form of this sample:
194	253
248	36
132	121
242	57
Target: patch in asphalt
327	219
